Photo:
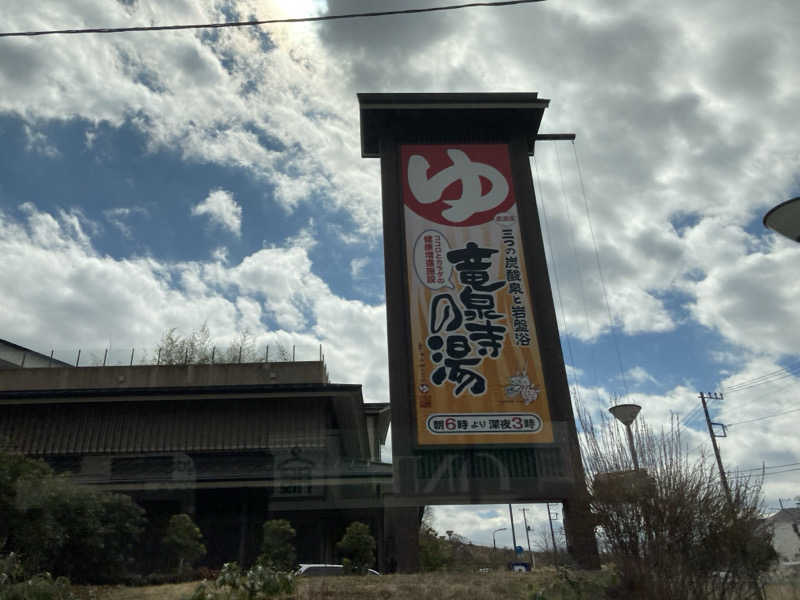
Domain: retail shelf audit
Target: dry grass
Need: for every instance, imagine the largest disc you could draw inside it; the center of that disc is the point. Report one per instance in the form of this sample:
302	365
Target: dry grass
785	585
427	586
176	591
497	585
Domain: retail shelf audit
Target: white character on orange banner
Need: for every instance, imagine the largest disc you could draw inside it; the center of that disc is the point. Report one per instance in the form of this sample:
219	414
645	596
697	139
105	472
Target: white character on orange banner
472	200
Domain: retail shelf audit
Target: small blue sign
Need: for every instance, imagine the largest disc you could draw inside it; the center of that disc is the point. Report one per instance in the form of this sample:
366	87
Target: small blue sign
518	549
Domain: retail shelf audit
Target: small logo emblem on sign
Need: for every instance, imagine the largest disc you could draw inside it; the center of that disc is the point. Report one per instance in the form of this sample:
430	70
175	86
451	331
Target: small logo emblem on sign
520	384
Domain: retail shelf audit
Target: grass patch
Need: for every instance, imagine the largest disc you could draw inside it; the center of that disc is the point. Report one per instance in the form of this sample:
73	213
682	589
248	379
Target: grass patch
426	586
543	584
496	585
174	591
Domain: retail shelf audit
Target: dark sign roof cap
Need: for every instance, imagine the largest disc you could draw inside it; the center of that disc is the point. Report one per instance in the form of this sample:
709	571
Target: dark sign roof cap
478	100
442	114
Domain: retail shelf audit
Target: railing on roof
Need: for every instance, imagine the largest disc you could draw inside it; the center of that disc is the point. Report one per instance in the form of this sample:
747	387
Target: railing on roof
23	358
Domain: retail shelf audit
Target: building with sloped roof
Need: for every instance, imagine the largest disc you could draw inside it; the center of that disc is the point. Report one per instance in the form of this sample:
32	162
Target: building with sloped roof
14	356
786	534
231	444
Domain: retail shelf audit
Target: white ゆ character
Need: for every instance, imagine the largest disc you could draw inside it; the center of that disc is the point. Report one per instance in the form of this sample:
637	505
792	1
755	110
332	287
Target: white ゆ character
427	191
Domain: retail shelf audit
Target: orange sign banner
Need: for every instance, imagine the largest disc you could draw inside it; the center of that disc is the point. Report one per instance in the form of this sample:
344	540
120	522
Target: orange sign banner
476	360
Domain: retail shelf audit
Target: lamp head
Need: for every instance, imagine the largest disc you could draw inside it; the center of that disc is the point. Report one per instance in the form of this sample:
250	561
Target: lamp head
785	219
626	413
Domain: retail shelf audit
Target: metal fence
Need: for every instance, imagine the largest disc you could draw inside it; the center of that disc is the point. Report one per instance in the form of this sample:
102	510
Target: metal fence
22	358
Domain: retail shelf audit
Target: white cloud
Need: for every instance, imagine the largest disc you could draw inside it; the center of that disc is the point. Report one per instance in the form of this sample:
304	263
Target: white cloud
305	238
639	374
229	101
143	297
118	217
573	372
357	265
233	102
38	142
751	298
220	254
222	209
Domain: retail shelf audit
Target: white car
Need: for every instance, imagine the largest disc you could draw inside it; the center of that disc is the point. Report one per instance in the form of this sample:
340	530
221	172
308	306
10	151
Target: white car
319	570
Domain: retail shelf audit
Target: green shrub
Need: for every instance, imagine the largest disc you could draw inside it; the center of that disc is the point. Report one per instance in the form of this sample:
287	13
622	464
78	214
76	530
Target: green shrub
434	552
64	528
184	541
258	583
11	569
14	468
357	547
577	585
39	587
277	547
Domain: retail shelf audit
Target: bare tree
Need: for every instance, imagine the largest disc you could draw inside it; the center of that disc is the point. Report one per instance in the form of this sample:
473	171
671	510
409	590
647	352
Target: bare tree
176	349
671	531
197	348
242	350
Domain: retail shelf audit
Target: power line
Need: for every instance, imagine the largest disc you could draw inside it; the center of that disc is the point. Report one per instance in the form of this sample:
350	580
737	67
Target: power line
691	415
744	475
765	378
786	412
695	411
565	202
782	372
362	15
766	467
771	381
555	271
600	269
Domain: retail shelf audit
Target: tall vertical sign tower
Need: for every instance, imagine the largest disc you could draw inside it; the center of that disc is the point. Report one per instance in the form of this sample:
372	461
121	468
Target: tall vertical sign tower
481	411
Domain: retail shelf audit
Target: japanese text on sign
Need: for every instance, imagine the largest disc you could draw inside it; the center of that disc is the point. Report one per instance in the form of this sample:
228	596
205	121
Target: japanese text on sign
493	423
455	324
476	363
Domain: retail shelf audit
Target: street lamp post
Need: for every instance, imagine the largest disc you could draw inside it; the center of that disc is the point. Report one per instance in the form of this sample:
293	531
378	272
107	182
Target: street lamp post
785	219
494	533
626	414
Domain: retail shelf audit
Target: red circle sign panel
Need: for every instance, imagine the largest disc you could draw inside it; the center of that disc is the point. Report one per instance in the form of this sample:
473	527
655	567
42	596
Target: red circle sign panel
460	185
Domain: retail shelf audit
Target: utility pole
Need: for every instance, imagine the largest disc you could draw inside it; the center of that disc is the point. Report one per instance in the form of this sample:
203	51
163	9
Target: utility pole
552	536
528	536
722	476
716	396
494	537
513	533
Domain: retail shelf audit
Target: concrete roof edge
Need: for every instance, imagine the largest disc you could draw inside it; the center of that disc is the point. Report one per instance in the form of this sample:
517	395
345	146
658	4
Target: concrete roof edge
98	394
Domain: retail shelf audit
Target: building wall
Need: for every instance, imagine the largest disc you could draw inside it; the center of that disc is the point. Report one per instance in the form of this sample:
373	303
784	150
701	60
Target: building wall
786	541
164	376
231	445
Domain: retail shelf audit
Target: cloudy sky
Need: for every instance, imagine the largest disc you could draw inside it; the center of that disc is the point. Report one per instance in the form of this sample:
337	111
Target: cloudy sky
170	179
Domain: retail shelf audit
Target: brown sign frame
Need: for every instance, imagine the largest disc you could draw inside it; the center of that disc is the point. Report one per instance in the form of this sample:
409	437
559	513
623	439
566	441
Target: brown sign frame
387	122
